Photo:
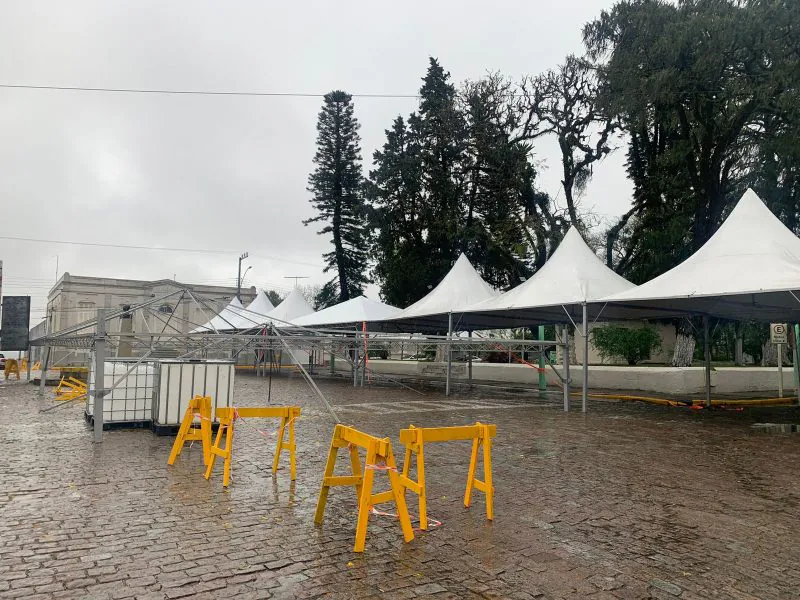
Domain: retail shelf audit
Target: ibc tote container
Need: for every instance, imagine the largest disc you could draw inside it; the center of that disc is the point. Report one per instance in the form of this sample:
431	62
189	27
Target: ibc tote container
179	381
132	400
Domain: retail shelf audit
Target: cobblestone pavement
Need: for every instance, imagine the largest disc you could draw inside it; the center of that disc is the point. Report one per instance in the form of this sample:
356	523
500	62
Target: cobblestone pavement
629	501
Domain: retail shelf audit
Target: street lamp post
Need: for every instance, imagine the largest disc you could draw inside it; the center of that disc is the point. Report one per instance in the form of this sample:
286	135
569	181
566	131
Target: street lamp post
239	276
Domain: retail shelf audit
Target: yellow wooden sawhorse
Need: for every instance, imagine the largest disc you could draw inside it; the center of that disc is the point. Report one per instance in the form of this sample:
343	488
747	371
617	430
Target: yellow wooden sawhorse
227	418
199	408
70	389
481	434
379	457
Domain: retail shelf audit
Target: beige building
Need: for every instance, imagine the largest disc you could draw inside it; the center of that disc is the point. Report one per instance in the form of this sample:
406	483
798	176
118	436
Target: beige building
76	299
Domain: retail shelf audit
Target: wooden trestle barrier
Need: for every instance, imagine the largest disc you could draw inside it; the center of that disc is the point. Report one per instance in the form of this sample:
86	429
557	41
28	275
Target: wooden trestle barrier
481	434
200	408
379	457
227	419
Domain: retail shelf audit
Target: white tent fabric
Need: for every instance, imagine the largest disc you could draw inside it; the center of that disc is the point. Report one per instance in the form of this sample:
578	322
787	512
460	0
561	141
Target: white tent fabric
254	314
574	275
460	288
224	320
749	269
292	307
352	312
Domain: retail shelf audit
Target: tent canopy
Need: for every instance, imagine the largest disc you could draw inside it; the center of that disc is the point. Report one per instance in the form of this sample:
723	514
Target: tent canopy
461	287
574	275
350	313
254	314
224	320
292	307
749	269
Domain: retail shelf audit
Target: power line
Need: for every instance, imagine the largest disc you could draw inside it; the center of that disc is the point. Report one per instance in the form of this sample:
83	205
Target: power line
159	248
71	88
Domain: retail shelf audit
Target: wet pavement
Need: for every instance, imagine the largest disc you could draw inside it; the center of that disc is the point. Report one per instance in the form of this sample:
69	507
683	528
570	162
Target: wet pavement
629	501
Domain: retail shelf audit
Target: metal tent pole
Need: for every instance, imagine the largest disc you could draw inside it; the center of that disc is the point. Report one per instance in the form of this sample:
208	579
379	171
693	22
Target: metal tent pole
99	375
355	361
29	363
449	353
566	368
43	369
585	391
796	364
707	355
542	376
469	364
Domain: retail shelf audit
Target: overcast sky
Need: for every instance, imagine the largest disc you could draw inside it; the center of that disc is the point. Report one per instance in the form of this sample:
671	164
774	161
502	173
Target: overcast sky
226	173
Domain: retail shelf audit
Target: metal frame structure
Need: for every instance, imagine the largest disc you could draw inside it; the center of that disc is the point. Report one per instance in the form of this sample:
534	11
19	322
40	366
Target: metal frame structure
263	338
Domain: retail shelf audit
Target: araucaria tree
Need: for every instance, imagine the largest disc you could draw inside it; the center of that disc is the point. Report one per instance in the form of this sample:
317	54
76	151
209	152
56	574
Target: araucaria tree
337	185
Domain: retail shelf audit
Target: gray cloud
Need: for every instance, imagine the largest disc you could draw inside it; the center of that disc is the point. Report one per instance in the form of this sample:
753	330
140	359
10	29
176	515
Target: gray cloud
225	172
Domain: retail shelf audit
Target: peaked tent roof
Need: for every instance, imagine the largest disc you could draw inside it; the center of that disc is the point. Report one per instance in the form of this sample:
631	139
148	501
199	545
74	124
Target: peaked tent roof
573	275
351	312
292	307
461	287
749	269
254	314
225	319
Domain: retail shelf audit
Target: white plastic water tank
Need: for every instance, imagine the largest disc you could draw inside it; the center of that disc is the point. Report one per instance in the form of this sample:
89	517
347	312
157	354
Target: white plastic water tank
131	401
180	380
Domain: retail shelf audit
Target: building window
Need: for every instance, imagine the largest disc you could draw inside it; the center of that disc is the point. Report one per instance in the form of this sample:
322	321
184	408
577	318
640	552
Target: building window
165	308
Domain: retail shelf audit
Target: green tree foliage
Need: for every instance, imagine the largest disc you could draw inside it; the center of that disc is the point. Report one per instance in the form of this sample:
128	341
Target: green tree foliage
337	188
634	344
274	297
457	177
707	91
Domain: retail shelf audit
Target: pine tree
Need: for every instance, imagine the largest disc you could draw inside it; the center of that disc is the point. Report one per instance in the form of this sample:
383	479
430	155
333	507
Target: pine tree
337	188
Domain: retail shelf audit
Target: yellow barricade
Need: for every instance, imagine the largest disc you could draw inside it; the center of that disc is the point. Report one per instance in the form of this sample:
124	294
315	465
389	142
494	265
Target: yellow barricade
227	418
200	408
379	458
37	366
12	366
70	389
481	434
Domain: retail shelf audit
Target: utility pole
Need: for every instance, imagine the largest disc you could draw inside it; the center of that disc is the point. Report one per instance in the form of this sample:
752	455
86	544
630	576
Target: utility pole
239	276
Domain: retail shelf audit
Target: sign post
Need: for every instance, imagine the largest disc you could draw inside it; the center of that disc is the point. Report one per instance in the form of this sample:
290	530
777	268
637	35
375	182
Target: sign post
778	335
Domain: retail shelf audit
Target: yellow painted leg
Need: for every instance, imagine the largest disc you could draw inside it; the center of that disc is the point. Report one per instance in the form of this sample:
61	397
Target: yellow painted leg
205	434
213	457
355	465
487	474
292	450
364	500
423	500
226	471
329	466
473	463
279	447
399	499
177	446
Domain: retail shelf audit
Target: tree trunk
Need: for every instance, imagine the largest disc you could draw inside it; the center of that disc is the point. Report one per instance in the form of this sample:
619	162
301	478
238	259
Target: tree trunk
769	354
739	342
684	345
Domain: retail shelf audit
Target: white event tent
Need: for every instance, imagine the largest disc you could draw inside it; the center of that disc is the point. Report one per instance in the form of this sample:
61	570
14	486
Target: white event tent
292	307
749	269
560	291
350	313
224	320
255	314
460	288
